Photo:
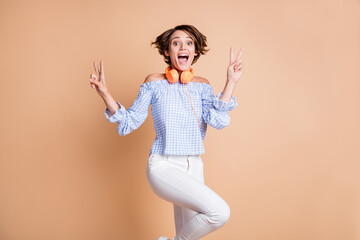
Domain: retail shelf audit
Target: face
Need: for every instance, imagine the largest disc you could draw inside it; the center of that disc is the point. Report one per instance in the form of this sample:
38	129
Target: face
181	50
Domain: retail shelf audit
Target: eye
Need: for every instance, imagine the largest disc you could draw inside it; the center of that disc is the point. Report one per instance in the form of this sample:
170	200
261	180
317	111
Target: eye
189	43
175	43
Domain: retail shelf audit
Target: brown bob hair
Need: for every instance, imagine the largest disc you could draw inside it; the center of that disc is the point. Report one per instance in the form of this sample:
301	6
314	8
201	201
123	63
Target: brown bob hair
162	41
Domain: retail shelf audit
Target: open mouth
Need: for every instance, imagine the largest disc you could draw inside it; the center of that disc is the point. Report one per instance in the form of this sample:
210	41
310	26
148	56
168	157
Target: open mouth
183	58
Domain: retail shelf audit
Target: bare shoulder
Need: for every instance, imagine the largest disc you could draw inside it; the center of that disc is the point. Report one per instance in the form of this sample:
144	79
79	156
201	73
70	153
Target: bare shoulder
154	77
200	80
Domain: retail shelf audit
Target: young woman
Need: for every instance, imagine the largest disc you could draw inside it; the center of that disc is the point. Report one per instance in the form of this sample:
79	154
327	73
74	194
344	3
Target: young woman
182	107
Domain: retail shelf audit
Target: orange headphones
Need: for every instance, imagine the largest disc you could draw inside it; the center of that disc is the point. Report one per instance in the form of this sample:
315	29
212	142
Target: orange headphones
172	75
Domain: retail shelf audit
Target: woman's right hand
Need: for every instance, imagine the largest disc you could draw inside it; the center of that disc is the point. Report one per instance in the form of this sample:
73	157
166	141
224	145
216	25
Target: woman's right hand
97	81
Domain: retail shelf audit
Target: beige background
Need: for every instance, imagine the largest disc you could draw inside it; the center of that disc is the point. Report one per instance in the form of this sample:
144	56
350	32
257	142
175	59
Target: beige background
288	164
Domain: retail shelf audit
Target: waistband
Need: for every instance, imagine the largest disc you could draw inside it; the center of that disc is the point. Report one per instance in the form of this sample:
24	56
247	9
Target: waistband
173	156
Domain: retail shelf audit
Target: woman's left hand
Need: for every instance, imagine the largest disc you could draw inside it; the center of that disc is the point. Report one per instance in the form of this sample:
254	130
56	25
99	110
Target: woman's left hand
234	70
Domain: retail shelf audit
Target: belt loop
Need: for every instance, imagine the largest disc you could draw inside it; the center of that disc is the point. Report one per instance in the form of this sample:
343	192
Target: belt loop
188	162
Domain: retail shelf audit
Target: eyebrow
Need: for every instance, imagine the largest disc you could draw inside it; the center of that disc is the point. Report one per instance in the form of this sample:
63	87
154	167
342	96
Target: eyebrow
179	37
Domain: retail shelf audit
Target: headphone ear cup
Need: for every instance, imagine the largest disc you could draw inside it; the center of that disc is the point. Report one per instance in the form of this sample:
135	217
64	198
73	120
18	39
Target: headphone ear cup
187	76
171	75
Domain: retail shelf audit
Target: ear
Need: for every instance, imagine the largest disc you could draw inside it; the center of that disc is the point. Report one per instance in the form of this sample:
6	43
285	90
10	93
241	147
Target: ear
166	53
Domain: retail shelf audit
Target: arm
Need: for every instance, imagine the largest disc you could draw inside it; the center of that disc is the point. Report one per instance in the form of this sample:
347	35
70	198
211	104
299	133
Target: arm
130	119
97	82
215	111
228	91
233	75
110	103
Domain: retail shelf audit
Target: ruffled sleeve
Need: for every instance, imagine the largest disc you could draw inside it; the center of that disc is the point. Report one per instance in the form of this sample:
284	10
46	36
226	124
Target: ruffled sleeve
131	119
215	111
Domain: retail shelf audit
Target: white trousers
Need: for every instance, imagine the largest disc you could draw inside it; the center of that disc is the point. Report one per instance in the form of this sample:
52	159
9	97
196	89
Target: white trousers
179	179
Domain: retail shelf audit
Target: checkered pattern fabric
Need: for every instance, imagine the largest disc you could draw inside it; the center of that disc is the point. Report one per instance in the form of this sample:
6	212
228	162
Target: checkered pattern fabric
176	127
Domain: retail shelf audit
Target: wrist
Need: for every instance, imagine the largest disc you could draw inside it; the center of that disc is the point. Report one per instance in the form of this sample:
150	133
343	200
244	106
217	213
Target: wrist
105	94
230	84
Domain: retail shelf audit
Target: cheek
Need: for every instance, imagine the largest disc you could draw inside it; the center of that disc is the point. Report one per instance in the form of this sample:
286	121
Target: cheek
172	51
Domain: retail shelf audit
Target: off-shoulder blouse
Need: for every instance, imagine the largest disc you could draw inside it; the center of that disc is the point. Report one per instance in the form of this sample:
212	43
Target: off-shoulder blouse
177	129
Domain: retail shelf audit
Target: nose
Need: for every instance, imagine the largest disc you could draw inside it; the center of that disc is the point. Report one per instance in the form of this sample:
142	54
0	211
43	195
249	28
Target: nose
182	46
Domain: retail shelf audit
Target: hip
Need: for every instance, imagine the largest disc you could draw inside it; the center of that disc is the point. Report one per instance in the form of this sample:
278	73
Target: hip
190	164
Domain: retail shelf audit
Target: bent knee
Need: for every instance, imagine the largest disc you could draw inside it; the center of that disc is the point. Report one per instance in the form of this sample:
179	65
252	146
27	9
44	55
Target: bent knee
220	216
225	214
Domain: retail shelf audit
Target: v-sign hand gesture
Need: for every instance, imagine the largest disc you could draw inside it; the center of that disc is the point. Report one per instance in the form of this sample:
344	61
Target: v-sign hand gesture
235	67
97	81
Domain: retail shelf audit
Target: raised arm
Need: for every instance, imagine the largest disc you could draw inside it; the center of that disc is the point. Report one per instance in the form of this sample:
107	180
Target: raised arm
234	72
97	82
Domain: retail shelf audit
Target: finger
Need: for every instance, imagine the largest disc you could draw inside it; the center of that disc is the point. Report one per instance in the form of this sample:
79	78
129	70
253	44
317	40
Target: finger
101	67
232	66
239	54
96	69
238	68
238	64
95	78
231	56
92	86
101	77
94	81
237	61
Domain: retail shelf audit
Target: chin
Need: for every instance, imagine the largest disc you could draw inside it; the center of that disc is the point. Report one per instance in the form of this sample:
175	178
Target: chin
182	68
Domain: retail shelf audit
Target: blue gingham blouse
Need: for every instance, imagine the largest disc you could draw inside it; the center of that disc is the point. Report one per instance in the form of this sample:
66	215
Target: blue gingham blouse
176	127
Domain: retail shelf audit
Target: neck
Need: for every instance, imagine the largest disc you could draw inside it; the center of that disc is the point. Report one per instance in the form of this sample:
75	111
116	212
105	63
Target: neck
179	71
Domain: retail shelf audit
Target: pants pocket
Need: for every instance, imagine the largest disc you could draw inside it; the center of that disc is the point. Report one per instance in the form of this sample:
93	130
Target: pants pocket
155	162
